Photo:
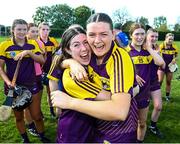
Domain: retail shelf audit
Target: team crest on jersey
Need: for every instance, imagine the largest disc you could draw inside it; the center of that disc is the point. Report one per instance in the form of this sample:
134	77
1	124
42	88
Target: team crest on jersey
12	54
105	84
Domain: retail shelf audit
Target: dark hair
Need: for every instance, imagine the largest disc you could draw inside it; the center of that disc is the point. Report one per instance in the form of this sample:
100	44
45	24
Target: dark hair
135	26
16	22
67	36
31	25
117	26
100	17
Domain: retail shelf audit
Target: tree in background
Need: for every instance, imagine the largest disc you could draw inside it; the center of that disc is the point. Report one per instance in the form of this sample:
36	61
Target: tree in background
82	13
121	16
42	14
144	21
61	16
158	21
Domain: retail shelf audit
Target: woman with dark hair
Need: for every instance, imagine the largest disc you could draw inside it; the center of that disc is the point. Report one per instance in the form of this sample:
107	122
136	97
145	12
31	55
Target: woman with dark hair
112	69
73	126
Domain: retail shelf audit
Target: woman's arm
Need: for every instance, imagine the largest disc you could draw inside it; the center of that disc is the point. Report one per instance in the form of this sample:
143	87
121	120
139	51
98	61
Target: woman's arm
158	60
77	70
115	109
3	74
38	58
53	85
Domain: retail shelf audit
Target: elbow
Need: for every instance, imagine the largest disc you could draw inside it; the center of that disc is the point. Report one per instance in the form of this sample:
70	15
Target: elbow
120	115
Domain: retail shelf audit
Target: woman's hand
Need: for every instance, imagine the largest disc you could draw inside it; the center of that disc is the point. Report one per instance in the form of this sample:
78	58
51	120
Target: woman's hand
21	55
60	99
140	81
78	71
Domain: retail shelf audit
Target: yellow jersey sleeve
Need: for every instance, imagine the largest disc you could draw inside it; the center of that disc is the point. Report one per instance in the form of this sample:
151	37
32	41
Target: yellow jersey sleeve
78	89
121	71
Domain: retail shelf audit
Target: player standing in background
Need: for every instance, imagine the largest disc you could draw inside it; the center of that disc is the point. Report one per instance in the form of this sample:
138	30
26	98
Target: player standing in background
169	52
51	45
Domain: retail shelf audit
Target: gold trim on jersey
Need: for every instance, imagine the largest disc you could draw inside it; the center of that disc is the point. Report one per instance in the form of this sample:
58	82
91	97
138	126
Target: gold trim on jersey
52	78
169	52
142	59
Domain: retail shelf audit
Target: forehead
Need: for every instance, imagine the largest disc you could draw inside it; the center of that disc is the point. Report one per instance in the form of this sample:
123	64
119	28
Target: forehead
139	30
20	26
153	33
79	38
44	27
98	27
33	28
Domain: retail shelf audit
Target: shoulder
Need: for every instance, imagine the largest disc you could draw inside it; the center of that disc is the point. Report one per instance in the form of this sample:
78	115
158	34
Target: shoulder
5	44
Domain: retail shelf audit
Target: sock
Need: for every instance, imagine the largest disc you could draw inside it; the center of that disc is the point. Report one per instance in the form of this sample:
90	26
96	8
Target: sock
41	135
25	137
52	111
167	94
31	125
153	124
139	141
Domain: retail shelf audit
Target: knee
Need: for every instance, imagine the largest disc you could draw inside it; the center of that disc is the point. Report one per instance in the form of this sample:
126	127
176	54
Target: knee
158	107
142	124
36	117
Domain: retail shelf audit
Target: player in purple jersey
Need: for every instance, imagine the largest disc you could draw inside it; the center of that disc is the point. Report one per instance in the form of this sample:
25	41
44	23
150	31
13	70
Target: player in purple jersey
51	45
33	34
74	126
142	55
169	52
19	47
155	89
113	69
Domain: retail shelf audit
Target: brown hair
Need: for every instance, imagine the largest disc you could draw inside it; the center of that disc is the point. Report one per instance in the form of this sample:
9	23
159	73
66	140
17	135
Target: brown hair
135	26
31	25
16	22
43	23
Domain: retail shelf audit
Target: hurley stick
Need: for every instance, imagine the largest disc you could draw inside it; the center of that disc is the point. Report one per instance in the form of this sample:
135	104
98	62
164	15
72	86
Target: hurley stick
5	109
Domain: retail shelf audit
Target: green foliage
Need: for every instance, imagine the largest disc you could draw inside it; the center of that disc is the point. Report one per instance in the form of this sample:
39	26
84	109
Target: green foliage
82	13
42	15
144	21
158	21
121	16
61	16
177	27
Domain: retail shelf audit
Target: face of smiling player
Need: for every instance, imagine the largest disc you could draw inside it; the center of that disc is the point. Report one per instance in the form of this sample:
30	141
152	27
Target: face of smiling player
100	37
79	49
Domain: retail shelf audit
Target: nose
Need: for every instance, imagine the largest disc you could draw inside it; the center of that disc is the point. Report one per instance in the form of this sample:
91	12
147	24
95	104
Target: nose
97	39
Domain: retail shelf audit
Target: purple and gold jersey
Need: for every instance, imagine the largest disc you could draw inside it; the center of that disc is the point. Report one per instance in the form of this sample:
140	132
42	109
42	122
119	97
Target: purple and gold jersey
50	46
168	54
9	49
74	126
142	61
115	74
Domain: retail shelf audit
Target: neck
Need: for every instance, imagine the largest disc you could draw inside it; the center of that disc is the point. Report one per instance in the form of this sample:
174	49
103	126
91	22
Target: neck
20	42
99	60
137	47
45	39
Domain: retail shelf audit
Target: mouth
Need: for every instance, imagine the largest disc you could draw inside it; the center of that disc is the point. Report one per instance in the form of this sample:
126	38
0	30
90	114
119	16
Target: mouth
85	56
99	47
